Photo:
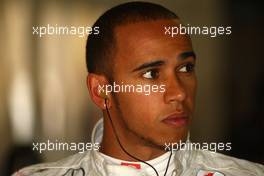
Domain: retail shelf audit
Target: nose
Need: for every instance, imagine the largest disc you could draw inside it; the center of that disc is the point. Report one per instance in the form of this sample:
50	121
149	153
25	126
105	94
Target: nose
175	91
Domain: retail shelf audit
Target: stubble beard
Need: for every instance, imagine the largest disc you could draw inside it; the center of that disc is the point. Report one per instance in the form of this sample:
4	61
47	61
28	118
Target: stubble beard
147	141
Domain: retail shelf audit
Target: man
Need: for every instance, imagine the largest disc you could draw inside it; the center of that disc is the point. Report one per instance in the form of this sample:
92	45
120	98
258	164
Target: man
133	49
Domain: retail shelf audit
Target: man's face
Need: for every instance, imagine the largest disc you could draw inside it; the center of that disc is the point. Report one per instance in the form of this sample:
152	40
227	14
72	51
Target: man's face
146	56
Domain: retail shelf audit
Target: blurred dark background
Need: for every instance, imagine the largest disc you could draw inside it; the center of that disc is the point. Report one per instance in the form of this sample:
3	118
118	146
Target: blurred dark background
43	93
247	82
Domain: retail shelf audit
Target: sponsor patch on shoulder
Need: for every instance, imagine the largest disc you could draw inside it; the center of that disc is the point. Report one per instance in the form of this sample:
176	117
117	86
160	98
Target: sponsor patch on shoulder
209	173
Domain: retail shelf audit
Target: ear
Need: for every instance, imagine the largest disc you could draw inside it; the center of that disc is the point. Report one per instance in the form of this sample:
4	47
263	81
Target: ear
95	84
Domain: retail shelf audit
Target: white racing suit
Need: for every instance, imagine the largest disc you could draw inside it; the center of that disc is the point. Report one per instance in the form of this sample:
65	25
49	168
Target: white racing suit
182	163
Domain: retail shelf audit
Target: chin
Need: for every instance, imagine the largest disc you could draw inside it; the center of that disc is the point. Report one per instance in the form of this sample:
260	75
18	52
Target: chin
176	137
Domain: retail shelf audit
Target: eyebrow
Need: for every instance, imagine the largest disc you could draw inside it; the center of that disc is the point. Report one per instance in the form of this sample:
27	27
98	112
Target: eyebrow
149	65
156	63
186	55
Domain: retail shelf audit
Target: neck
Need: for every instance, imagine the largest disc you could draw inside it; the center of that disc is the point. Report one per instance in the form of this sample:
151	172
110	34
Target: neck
132	143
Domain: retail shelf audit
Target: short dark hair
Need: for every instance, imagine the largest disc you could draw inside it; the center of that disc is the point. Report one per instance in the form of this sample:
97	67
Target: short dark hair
100	48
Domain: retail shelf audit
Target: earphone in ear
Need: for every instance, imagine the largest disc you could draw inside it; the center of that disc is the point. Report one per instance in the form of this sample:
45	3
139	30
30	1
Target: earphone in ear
103	94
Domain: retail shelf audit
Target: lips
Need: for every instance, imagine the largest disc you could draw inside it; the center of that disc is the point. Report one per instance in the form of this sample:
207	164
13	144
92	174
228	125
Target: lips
176	120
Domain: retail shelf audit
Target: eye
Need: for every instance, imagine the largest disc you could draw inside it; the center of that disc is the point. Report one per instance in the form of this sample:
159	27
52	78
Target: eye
151	74
187	68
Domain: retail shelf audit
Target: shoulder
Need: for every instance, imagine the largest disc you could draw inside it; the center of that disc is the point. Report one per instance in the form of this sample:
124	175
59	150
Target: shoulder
74	163
226	164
